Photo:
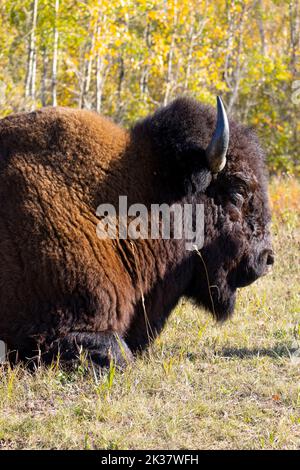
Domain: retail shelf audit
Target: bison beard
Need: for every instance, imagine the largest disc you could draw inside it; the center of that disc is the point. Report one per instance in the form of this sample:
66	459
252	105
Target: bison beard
63	289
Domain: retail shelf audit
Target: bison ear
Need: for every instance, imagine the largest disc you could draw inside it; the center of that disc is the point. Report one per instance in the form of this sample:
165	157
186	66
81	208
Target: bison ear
218	147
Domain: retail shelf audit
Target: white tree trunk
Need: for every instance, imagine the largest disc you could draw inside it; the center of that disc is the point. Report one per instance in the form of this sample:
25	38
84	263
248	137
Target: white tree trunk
44	78
87	73
169	78
99	83
31	64
55	56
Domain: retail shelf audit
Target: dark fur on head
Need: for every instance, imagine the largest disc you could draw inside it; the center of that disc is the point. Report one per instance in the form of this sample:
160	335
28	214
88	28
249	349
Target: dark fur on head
58	279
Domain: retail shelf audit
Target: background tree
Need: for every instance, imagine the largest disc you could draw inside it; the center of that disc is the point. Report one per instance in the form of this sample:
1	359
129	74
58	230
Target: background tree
125	58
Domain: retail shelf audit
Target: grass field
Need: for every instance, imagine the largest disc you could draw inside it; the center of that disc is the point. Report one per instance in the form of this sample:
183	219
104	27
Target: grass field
202	385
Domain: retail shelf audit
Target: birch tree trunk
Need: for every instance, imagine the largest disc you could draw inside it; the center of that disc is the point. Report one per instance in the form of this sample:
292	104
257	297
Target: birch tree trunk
121	77
261	27
55	56
233	61
195	33
33	79
44	78
99	83
294	63
31	64
87	73
102	68
294	33
170	57
145	69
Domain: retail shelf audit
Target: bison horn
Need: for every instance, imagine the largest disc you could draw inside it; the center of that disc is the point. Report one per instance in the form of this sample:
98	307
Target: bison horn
217	149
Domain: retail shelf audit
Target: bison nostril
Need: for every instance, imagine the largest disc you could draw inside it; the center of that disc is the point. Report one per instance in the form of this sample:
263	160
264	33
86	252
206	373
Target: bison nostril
270	259
266	258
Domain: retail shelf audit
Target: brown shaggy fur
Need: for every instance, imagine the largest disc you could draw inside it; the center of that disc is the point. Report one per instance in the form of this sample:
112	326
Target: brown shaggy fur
58	279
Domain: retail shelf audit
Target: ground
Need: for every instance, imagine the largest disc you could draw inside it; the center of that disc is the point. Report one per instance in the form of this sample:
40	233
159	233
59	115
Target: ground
202	385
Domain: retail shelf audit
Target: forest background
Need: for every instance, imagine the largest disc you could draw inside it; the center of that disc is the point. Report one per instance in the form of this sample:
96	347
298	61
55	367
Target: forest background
125	58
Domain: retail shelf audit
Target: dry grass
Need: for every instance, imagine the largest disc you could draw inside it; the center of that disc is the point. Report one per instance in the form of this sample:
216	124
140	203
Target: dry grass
231	386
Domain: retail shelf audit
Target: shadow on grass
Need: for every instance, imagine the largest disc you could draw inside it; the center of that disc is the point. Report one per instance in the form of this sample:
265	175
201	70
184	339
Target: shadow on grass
279	351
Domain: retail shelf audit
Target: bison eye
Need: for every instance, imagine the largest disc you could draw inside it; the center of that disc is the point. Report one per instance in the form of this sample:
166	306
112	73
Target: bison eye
237	199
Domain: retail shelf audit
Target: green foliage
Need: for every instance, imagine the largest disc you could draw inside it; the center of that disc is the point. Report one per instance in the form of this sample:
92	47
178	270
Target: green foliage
125	58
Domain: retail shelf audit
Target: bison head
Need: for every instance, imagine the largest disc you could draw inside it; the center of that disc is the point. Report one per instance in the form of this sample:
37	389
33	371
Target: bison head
208	160
237	248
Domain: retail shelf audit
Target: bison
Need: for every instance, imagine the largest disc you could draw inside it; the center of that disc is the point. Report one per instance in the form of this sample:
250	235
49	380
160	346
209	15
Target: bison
63	288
